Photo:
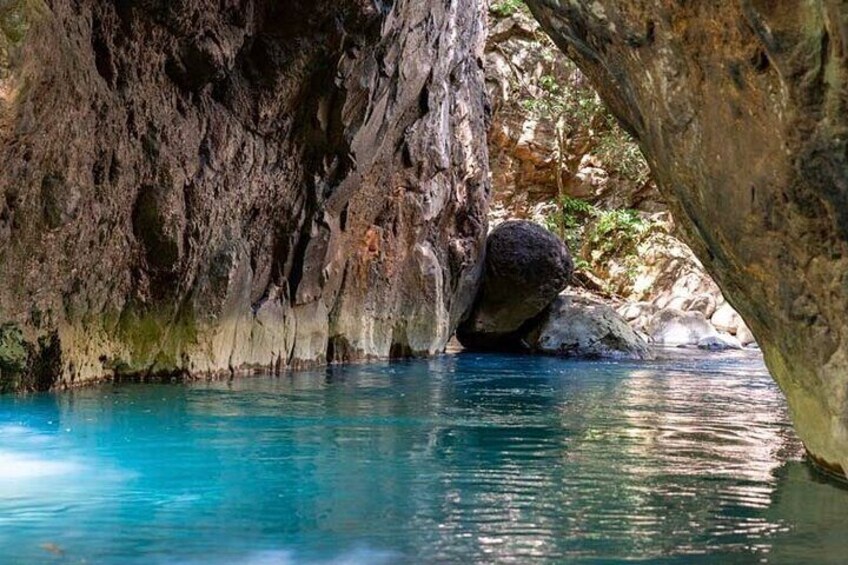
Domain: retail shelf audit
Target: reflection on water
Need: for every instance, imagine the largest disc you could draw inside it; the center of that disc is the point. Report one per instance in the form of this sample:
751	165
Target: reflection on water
474	458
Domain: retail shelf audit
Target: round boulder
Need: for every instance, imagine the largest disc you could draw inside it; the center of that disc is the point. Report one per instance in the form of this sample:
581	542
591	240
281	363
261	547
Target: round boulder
526	268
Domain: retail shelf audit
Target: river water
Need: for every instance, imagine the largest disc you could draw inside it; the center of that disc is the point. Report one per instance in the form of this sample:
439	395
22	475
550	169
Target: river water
464	458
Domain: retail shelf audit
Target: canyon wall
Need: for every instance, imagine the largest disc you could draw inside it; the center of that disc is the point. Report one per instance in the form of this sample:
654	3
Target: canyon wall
202	187
740	108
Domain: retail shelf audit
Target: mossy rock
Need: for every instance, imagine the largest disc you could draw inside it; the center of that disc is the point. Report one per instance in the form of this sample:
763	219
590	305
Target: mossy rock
26	366
155	340
14	357
14	19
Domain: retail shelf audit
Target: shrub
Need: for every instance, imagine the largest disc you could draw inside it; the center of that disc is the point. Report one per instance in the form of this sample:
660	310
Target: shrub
506	8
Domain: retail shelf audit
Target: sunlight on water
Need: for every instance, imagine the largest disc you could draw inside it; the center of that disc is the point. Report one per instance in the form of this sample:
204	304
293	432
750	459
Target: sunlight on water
26	468
465	458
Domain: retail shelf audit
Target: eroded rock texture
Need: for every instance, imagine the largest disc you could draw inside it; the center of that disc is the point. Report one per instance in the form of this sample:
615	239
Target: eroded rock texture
209	186
740	108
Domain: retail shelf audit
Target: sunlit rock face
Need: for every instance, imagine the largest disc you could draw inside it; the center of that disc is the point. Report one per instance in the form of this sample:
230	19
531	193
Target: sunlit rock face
740	108
202	187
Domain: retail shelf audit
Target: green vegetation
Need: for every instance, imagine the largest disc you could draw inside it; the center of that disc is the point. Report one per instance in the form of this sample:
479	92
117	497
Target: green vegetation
552	89
597	237
561	94
505	8
584	125
616	233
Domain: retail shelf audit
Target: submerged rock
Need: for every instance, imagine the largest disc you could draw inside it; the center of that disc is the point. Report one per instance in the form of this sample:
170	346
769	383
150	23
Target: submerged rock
580	327
526	268
720	342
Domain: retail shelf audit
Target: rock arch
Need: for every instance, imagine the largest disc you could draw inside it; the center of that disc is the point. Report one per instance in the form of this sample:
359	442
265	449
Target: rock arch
740	108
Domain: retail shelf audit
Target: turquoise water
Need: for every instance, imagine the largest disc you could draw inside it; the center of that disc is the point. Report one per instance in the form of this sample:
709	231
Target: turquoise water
473	459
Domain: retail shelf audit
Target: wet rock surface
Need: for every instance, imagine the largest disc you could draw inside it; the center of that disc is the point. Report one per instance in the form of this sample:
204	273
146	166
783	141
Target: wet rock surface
741	110
526	268
200	187
721	342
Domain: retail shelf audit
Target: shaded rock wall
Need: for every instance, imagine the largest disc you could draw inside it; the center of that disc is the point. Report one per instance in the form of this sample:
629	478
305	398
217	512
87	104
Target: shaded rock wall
202	187
740	108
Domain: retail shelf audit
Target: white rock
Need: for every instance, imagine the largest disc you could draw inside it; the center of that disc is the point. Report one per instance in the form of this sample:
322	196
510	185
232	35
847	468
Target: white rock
721	342
675	327
726	319
578	326
744	334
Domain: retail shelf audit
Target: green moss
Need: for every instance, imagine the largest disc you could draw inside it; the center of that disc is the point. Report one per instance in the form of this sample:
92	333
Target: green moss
155	339
26	366
13	352
15	19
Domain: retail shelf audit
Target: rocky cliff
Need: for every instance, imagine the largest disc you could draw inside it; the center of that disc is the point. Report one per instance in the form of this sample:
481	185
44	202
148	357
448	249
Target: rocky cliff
201	187
550	135
740	108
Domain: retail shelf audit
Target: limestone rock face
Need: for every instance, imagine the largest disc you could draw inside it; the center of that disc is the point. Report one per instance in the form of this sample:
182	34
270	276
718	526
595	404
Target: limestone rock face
202	187
526	268
740	108
522	147
529	155
579	327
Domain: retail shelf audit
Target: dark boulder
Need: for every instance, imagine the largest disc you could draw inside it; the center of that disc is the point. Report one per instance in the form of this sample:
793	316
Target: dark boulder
526	268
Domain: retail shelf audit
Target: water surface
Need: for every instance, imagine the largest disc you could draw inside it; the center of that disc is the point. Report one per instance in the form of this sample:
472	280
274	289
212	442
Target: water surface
467	458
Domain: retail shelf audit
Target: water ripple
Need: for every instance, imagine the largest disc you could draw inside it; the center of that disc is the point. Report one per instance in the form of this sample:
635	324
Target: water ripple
469	458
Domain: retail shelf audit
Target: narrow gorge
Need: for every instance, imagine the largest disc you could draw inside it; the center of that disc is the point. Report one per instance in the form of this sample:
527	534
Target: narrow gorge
199	187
